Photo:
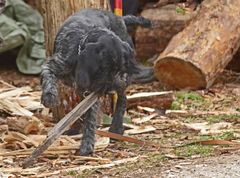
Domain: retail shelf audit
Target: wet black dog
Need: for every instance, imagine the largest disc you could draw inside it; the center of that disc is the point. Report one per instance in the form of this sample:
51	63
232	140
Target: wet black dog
93	52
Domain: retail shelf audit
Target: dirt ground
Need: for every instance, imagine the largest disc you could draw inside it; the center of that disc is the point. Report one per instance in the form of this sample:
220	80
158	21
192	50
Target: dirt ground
212	114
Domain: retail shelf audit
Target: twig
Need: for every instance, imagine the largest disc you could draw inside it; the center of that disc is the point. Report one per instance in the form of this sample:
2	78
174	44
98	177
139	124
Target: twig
126	138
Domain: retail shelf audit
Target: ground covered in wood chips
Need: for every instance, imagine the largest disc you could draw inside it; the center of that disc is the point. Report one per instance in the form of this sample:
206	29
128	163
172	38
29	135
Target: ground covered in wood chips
188	131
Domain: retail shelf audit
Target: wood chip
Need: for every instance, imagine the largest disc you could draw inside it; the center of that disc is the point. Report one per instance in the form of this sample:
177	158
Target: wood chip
144	119
15	92
140	130
148	94
207	129
26	125
146	109
14	108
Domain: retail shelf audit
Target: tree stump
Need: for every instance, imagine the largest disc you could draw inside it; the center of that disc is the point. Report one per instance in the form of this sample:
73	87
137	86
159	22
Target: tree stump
195	56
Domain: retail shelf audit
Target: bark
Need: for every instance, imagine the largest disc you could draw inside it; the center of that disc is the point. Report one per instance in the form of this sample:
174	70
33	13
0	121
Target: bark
195	56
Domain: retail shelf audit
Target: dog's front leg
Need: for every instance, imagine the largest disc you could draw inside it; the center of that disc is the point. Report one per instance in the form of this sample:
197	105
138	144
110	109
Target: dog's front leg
89	128
51	72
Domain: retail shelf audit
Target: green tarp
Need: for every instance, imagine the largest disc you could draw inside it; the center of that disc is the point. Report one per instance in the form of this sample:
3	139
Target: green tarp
22	26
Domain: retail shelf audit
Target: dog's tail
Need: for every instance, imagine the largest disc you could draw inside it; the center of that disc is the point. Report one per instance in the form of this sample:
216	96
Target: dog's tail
131	20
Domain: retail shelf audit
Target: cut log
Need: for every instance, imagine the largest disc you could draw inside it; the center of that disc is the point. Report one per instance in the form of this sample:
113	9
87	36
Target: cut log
195	56
151	41
157	100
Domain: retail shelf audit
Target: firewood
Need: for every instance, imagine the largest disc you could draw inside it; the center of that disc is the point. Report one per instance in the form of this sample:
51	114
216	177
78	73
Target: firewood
167	23
158	100
3	129
14	92
101	143
13	108
26	125
19	101
198	54
140	130
16	136
144	119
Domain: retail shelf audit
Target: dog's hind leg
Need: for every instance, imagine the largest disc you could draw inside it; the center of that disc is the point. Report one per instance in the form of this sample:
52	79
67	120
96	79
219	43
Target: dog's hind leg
89	128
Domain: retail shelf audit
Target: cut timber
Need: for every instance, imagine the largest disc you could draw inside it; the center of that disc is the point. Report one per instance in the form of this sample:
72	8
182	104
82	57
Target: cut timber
195	56
167	23
158	100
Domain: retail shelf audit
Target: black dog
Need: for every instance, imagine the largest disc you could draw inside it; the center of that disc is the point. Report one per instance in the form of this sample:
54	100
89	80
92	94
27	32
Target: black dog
93	52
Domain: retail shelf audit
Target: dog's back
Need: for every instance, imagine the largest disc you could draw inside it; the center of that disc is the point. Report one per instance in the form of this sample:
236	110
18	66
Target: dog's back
76	26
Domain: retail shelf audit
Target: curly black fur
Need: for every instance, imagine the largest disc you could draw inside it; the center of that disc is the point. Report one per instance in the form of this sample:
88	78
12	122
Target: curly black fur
92	52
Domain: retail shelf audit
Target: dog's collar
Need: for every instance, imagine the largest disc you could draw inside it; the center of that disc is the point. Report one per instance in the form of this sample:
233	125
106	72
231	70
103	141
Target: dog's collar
81	45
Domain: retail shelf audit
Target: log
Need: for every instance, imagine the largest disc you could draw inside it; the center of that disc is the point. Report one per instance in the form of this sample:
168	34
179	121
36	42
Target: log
167	24
157	100
195	56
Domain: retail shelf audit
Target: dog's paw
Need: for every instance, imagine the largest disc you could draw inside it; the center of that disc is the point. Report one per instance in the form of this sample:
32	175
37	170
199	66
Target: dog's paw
86	149
49	99
118	130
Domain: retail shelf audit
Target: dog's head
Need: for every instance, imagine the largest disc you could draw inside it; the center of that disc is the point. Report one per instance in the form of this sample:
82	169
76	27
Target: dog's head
102	55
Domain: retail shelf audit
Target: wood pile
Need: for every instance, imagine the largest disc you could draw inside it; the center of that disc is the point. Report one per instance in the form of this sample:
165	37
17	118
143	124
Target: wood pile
25	124
198	54
170	20
167	24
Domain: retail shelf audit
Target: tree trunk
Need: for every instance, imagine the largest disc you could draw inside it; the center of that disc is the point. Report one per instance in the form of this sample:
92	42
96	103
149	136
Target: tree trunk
54	13
195	56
